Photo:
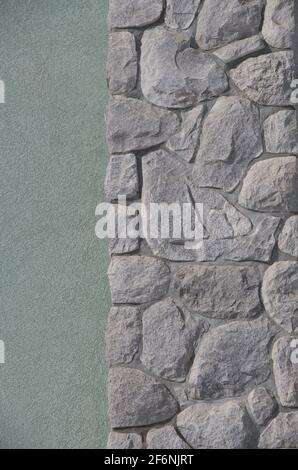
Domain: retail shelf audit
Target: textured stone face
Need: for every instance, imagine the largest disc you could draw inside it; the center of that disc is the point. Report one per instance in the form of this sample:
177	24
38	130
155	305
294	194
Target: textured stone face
174	75
225	150
135	125
168	341
217	426
181	13
280	132
122	64
231	359
124	334
271	185
280	294
223	21
135	399
165	438
262	405
266	79
130	13
282	432
138	279
288	239
122	177
225	292
285	372
119	440
238	49
279	23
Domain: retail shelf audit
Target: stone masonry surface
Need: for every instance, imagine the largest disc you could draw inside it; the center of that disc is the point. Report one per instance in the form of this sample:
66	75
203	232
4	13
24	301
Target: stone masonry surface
199	341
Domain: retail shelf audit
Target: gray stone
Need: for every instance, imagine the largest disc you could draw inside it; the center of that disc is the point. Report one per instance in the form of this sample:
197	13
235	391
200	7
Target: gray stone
281	132
262	405
138	279
122	240
123	335
285	372
168	341
123	246
135	125
223	21
122	63
282	432
288	239
217	426
232	359
271	185
122	177
165	438
239	49
185	142
224	292
181	13
119	440
231	139
279	23
173	75
135	399
280	294
266	79
130	13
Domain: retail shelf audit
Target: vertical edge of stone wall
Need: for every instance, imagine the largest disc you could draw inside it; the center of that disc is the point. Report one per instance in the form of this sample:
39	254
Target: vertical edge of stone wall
201	343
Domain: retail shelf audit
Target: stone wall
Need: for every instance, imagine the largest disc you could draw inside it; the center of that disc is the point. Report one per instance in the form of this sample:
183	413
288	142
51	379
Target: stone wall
200	342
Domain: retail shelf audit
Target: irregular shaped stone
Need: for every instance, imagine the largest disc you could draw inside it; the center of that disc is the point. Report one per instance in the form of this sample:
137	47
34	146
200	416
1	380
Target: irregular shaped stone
224	292
280	294
123	335
279	23
131	13
285	372
185	142
122	246
223	21
122	177
239	49
271	185
232	359
168	341
231	139
266	79
282	432
119	440
262	405
135	399
122	63
173	75
217	426
181	13
135	125
288	239
165	438
138	279
121	239
281	132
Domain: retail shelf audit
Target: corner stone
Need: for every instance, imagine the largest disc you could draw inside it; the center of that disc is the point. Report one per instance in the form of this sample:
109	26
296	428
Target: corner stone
119	440
285	372
122	63
134	13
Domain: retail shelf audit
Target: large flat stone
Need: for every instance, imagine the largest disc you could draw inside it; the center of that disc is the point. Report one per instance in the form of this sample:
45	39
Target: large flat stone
223	21
288	239
223	292
266	79
136	399
134	13
282	432
173	75
279	23
232	359
165	438
285	372
122	63
281	132
181	13
217	426
271	186
137	279
231	139
135	125
280	294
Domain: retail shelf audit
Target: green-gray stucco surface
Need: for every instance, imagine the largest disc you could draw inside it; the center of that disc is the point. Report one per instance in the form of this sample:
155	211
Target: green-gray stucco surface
54	292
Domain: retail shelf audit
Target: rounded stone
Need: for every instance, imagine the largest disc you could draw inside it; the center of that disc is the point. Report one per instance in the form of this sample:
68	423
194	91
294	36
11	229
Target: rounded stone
285	372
